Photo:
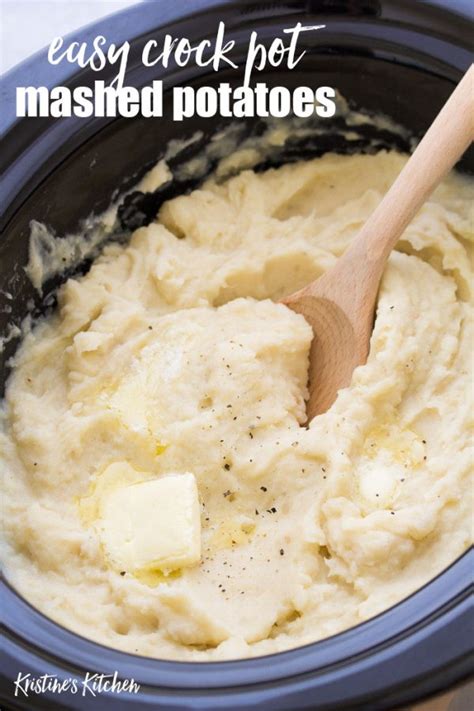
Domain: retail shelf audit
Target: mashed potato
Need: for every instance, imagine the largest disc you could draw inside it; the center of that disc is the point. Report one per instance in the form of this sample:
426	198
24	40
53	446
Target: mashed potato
171	356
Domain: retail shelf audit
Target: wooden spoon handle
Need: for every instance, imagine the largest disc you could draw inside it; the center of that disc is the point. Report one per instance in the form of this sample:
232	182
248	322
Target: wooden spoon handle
443	144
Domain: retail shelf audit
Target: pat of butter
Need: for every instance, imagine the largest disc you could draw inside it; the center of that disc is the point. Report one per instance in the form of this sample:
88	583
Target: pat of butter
152	525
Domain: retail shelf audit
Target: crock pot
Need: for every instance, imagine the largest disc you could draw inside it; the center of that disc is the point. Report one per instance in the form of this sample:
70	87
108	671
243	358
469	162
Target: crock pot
398	57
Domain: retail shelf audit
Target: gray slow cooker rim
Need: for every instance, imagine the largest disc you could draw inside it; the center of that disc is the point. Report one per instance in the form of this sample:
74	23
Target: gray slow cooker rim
391	644
40	73
20	133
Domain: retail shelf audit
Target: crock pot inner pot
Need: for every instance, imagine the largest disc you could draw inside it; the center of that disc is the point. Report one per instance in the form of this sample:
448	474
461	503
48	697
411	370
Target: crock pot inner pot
77	172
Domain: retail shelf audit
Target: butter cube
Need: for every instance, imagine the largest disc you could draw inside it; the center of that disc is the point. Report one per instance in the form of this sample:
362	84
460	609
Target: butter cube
152	525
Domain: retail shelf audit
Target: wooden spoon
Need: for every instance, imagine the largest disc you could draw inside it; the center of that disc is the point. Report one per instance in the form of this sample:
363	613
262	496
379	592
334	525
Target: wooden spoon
340	305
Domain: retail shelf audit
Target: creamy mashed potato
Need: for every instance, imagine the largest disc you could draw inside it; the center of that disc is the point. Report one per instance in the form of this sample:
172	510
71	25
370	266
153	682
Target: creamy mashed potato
171	357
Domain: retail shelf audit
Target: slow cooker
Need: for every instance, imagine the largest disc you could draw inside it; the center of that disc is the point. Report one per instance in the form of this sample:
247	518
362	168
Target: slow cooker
398	57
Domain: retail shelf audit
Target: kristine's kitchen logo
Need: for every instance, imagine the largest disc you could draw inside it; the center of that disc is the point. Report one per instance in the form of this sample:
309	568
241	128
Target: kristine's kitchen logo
93	684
